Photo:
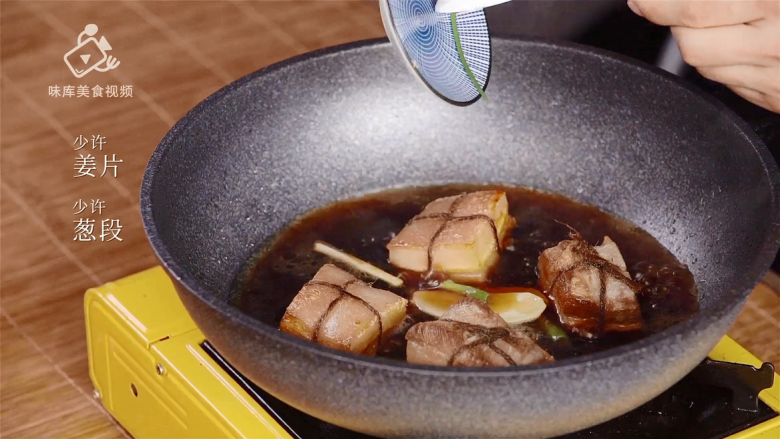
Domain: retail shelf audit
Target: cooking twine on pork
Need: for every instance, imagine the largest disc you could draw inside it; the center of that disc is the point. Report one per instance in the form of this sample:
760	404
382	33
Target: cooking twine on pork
487	336
343	293
605	268
448	216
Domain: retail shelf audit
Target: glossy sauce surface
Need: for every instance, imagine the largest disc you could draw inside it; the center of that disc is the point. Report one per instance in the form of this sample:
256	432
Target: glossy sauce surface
363	227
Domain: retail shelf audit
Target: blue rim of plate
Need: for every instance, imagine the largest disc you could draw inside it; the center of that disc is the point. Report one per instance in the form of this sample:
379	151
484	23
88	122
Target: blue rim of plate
479	58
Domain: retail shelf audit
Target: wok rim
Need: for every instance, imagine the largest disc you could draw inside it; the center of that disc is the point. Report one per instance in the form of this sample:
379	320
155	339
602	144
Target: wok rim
734	298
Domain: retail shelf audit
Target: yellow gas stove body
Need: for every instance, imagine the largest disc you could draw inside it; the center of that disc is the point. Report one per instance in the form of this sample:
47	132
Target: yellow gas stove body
152	375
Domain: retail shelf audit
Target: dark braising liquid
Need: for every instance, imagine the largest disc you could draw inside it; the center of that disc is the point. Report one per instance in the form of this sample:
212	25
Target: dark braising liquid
364	226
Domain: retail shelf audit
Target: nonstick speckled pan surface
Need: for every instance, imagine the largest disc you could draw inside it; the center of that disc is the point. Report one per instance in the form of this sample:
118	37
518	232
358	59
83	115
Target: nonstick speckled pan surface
349	120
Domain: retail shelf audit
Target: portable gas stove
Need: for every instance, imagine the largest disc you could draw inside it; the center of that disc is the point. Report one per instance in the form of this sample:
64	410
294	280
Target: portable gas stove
155	372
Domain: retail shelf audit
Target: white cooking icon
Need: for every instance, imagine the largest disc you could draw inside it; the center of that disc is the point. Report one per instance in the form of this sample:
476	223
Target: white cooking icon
90	49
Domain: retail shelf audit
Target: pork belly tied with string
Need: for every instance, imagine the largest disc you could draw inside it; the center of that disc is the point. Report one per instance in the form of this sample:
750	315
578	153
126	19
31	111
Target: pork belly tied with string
337	310
591	287
459	236
470	334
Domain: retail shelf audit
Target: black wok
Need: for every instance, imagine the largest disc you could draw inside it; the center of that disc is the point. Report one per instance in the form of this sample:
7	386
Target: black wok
349	120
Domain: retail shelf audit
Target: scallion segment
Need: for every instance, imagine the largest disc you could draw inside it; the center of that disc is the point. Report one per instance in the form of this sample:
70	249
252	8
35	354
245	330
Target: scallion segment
555	331
464	289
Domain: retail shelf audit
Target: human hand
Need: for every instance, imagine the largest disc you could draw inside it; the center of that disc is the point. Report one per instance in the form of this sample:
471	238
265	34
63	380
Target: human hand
734	42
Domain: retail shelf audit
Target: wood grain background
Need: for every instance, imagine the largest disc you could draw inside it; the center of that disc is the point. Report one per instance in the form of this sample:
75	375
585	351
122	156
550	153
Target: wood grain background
174	54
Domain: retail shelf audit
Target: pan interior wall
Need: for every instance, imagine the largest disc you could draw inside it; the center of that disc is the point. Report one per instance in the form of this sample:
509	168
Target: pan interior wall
603	132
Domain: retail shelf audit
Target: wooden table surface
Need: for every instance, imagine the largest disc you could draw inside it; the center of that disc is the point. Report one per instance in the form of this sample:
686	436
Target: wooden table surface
173	54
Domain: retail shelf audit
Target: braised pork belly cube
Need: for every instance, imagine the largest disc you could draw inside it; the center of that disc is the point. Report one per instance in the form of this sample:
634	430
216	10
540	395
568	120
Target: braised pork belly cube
470	334
459	236
337	310
591	287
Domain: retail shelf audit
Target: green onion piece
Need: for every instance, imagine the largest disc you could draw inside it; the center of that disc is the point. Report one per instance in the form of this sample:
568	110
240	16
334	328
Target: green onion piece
456	35
464	289
554	331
